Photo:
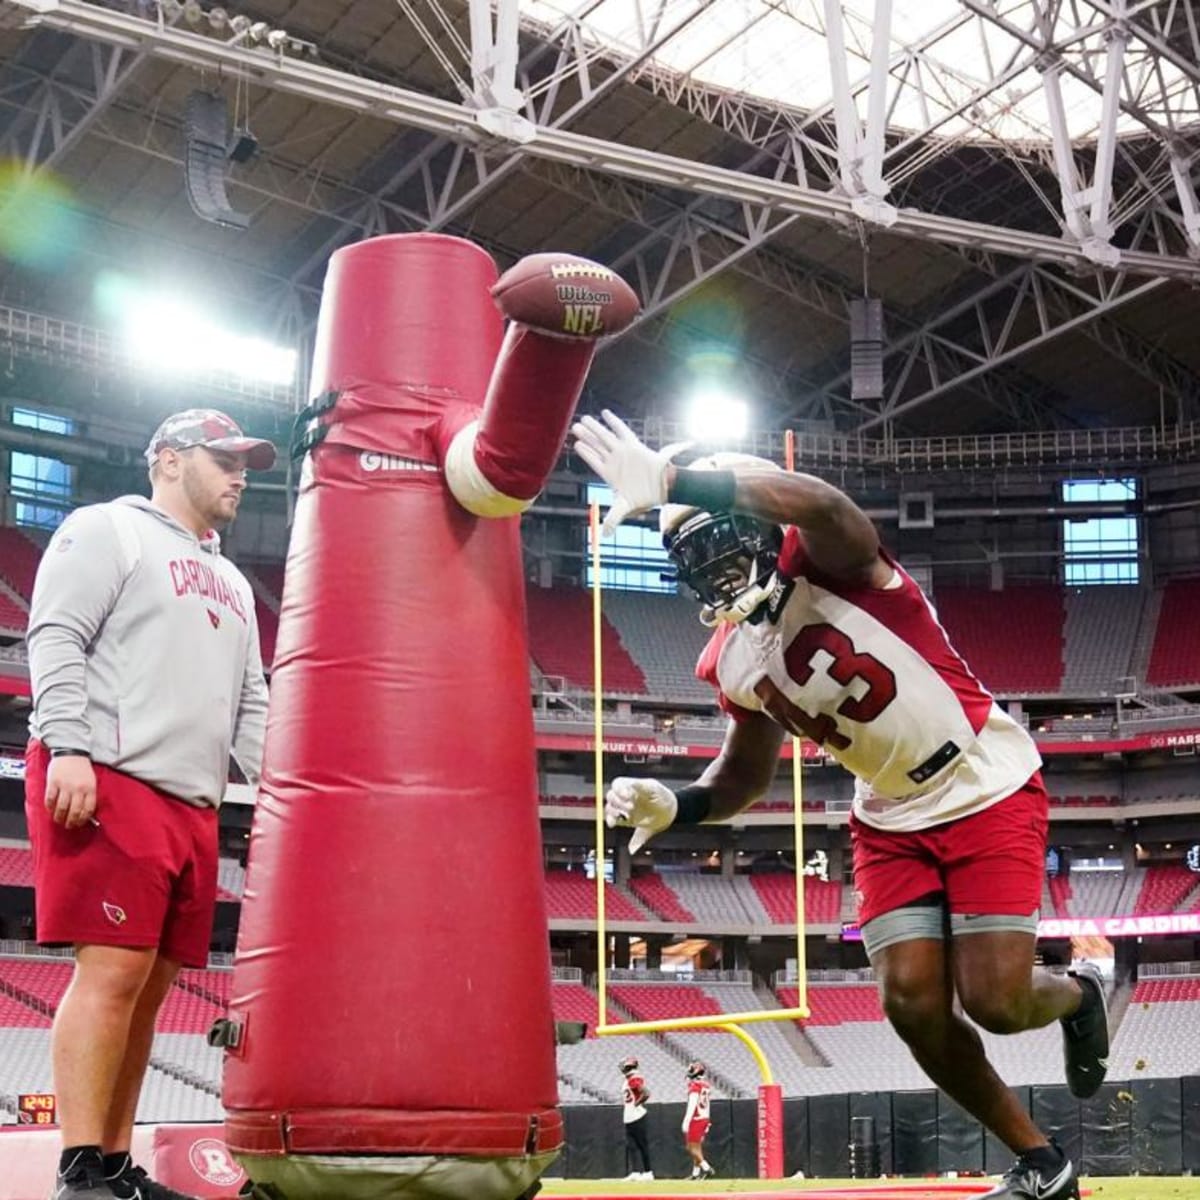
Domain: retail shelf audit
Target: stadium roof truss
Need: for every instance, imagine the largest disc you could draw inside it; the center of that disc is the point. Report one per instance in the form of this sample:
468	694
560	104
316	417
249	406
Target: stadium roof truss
896	112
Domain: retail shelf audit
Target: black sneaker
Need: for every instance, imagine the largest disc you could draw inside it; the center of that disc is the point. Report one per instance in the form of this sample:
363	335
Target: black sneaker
1029	1181
84	1181
134	1184
1085	1034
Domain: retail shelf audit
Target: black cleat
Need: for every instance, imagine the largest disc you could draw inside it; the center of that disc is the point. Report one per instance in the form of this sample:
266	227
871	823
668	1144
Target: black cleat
1085	1034
82	1181
134	1184
1028	1181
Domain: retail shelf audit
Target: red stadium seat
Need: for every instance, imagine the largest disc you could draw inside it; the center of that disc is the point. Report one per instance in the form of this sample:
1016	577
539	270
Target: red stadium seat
1165	888
19	558
661	1002
658	897
560	642
836	1004
570	894
1011	639
777	891
1175	657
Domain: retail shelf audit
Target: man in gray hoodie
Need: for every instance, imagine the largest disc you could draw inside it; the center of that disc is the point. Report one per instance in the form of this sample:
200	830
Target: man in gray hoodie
146	674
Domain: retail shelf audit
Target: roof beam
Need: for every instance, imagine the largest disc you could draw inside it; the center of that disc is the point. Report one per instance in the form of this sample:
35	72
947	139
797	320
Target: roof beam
860	151
1118	92
997	334
62	109
458	123
684	251
467	176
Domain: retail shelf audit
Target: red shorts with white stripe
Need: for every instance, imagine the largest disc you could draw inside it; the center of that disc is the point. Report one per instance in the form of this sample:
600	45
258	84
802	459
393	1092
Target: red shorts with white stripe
145	876
696	1131
991	862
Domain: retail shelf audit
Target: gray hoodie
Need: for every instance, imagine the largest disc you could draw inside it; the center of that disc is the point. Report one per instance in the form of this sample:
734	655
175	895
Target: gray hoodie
143	649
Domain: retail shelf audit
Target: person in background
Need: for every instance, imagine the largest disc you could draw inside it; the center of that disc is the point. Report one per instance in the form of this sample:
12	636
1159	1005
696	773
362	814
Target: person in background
634	1096
696	1119
146	674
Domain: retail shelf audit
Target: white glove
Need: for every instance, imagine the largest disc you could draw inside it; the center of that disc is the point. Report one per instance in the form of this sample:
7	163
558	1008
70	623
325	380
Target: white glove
637	474
646	804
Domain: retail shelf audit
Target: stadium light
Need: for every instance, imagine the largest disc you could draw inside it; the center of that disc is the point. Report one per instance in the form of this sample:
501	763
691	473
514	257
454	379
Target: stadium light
171	335
717	416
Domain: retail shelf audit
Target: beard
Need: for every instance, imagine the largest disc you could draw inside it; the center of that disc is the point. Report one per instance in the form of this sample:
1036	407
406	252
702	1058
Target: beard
214	507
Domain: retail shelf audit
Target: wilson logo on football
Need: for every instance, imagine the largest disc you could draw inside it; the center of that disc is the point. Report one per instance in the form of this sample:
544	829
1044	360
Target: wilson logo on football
114	912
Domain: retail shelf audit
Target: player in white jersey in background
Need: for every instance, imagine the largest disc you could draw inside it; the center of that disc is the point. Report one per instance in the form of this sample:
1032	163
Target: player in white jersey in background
696	1119
819	633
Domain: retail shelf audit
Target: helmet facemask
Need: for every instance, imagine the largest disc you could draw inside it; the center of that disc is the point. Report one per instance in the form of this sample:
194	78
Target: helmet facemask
723	557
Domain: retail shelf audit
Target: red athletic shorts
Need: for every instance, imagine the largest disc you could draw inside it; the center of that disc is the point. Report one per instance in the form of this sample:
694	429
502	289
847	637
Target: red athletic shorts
147	876
991	862
696	1132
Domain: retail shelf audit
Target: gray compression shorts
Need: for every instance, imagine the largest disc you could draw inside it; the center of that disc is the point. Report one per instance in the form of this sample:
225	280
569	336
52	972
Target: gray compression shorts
929	920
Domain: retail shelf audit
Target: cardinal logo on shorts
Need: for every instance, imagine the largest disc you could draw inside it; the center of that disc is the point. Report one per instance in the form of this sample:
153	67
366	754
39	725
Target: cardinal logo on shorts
214	619
114	912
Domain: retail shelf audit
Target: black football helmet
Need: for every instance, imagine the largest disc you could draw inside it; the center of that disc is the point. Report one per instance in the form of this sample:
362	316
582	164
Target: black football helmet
726	558
696	1070
629	1065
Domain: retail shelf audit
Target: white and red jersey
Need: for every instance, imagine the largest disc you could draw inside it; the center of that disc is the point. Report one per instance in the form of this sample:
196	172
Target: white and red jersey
870	675
699	1094
634	1096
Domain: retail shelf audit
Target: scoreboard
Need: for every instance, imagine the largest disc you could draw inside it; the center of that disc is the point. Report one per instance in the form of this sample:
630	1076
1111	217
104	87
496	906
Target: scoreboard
37	1108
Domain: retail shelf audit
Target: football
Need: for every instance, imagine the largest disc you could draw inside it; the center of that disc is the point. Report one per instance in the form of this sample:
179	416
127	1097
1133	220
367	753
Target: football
567	296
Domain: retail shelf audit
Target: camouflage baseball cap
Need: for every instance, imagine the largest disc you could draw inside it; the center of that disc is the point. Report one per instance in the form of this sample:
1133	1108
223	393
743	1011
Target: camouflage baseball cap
208	427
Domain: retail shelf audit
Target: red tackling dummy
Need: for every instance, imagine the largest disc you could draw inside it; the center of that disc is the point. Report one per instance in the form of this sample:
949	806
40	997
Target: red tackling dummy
392	981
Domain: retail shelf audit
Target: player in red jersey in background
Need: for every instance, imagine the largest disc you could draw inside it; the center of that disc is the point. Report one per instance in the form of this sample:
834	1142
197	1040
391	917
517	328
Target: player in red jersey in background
634	1097
819	633
696	1119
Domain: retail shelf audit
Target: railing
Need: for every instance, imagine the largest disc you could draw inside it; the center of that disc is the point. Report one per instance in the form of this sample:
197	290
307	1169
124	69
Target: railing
1176	970
1105	724
566	974
1159	718
634	975
35	335
787	976
14	948
1068	447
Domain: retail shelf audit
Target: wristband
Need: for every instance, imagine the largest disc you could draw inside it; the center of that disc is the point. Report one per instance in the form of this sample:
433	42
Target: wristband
712	491
70	752
692	804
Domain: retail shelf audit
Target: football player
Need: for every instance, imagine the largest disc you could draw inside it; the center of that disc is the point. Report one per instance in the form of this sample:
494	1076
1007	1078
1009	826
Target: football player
696	1119
818	632
634	1096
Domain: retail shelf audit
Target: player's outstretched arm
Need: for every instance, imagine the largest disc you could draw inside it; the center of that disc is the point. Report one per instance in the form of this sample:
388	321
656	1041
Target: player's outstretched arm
838	535
840	538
